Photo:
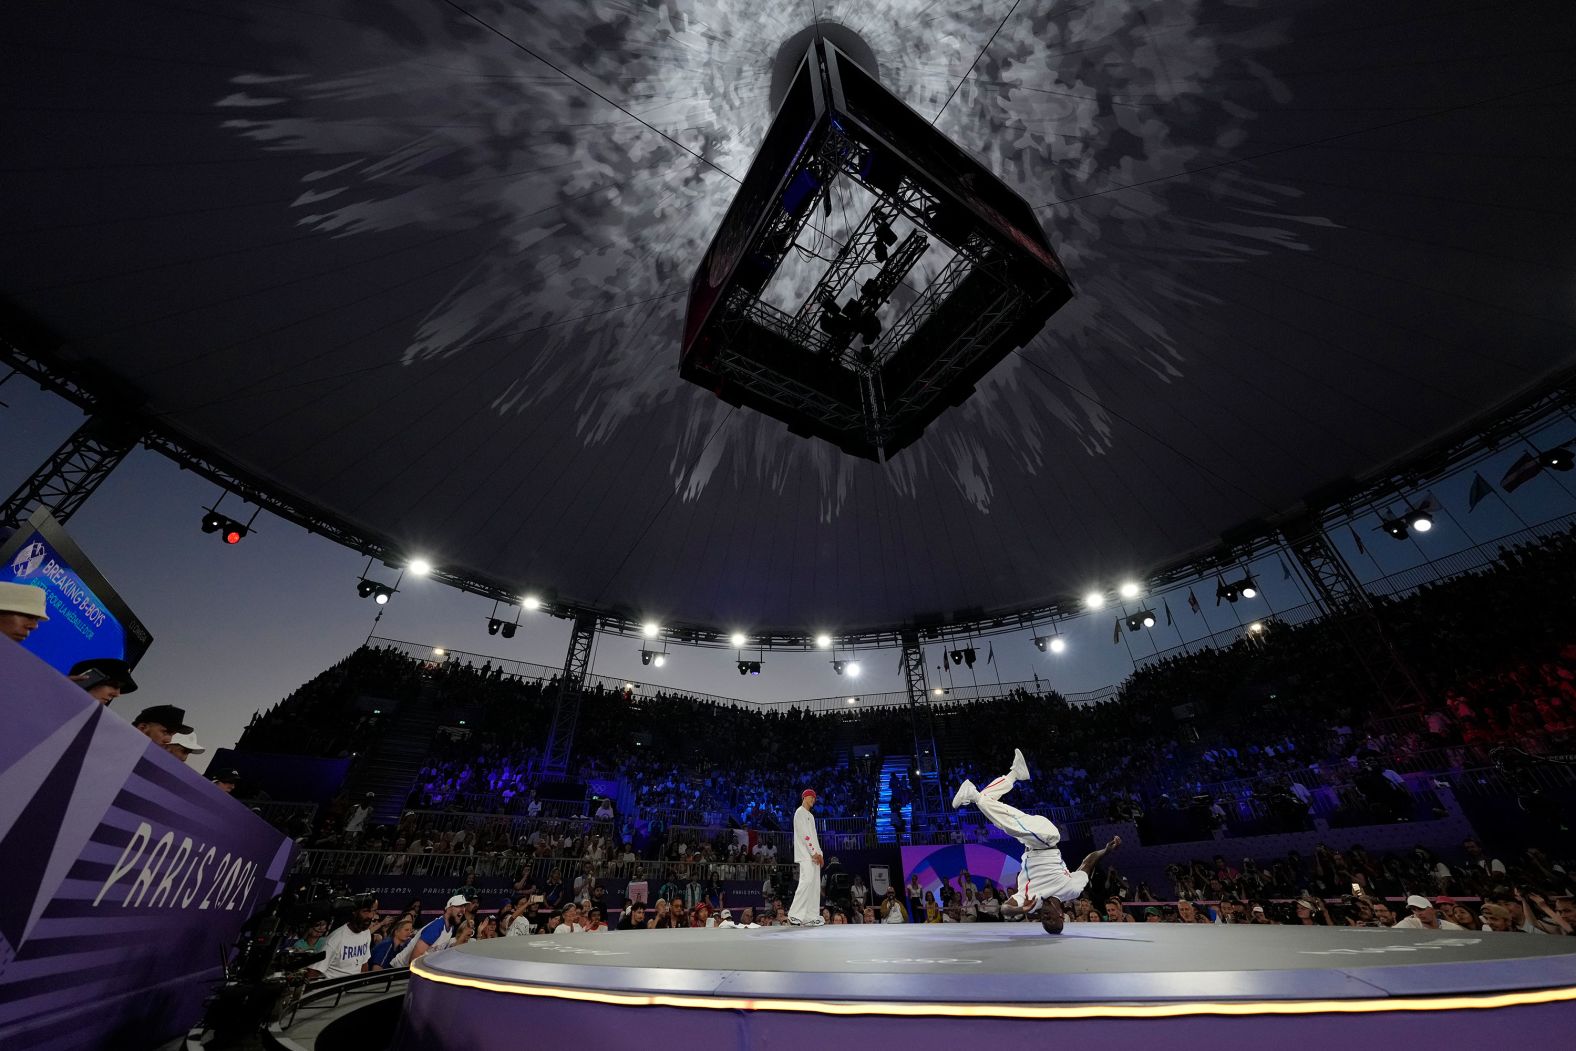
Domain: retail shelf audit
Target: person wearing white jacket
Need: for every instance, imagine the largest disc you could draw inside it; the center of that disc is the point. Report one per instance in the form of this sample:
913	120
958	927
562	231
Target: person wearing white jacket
806	908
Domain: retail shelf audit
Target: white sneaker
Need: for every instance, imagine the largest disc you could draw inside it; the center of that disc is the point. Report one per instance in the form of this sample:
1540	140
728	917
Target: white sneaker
1020	766
967	793
817	922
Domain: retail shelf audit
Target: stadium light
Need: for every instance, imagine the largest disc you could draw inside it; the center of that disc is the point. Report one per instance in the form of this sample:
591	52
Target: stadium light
439	651
651	629
493	625
212	522
1226	591
508	631
1421	521
823	642
1396	527
381	594
645	657
530	602
1142	619
1249	590
1256	627
1128	590
838	667
853	700
749	667
365	587
1058	645
661	659
937	691
234	532
1556	459
738	640
1094	600
853	669
419	567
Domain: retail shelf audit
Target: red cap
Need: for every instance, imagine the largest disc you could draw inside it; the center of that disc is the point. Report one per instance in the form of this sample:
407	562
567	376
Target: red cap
1444	900
808	792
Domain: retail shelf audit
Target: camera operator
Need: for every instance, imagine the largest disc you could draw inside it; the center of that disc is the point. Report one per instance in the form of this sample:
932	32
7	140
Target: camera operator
348	949
453	928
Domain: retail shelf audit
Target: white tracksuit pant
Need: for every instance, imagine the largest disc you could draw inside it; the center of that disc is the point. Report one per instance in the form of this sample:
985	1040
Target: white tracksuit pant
806	907
1044	871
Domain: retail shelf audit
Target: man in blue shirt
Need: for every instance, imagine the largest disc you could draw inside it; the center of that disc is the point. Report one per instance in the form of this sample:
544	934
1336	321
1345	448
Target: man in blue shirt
390	947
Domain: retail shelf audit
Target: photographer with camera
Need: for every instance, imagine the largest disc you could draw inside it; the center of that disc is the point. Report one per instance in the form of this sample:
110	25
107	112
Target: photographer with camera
453	928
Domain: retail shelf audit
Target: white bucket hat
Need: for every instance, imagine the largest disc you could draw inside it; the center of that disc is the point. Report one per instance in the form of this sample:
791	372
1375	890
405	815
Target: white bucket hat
188	742
22	598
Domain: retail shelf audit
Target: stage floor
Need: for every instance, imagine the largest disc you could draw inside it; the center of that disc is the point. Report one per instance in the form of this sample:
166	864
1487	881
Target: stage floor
1003	972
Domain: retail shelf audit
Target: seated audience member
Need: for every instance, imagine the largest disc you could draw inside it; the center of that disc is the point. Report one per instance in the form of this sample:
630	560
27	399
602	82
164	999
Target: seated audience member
1496	918
161	722
633	918
389	947
315	938
452	928
348	949
571	921
105	678
226	781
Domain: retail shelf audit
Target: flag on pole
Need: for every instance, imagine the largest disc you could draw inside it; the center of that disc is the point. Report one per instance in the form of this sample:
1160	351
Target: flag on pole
1116	634
1361	550
1285	569
1480	489
1192	600
1521	472
990	652
1167	605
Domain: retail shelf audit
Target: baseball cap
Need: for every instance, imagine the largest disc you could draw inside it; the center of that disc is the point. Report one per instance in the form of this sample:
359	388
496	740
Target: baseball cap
229	777
167	716
1151	911
22	598
1445	899
456	901
113	669
727	914
808	792
1417	901
1258	908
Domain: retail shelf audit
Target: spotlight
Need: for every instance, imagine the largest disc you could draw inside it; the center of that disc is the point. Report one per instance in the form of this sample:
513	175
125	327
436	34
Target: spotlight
839	667
419	567
651	629
493	625
755	667
1396	527
381	594
530	602
1244	588
853	669
660	659
1128	590
744	667
645	656
938	691
853	700
738	640
1040	644
1256	627
212	522
1249	591
823	642
1226	591
1556	459
1058	645
1142	619
508	631
1422	521
968	656
1094	600
365	587
957	656
234	532
439	651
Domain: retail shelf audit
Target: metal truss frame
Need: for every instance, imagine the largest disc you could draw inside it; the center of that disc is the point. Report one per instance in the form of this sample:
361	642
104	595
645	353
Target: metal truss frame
571	686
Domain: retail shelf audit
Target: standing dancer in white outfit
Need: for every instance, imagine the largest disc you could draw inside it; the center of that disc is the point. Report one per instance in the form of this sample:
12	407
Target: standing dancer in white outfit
1045	880
806	908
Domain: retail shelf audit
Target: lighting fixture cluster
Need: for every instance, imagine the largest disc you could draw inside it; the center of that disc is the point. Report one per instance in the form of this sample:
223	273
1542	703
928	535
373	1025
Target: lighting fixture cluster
1144	618
1128	589
1237	589
229	530
1403	526
501	627
749	667
1053	643
965	656
849	668
379	593
653	657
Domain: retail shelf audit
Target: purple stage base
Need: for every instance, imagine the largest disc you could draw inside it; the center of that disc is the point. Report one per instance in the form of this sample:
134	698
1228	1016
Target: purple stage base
946	986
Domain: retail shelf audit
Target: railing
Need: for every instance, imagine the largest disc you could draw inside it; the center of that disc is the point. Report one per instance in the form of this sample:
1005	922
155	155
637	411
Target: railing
514	825
339	864
289	818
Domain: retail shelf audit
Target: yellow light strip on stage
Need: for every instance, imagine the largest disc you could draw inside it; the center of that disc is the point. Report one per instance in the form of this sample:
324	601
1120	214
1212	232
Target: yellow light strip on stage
1018	1011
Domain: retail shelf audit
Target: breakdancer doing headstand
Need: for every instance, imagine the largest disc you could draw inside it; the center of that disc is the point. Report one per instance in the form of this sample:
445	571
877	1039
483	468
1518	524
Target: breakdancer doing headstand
1046	881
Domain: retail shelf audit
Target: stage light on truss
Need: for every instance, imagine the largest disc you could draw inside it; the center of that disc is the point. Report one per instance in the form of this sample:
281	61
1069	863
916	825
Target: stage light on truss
1129	589
419	567
508	631
660	659
645	657
1041	643
839	667
738	639
1144	618
1396	527
853	669
212	522
1058	645
749	667
365	587
823	642
651	629
1229	592
530	602
381	594
1248	588
968	656
1421	521
493	625
956	656
1556	459
1094	600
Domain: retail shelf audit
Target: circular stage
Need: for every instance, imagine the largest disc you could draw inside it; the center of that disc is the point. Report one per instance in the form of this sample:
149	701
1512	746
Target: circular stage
924	984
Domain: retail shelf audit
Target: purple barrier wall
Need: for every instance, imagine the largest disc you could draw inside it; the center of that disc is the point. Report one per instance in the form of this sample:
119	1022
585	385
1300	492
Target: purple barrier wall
126	876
